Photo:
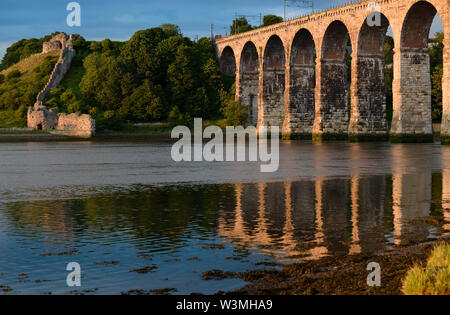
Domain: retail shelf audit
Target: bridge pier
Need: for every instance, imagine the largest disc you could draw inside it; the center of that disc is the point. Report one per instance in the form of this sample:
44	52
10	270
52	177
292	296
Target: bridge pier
411	121
300	99
368	99
332	114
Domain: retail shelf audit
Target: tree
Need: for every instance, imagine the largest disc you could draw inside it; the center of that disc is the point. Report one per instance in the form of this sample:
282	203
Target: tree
146	103
436	93
235	113
271	19
436	65
171	30
240	25
389	74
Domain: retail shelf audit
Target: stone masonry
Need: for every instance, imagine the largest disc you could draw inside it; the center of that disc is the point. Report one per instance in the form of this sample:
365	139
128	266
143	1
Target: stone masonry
41	118
288	67
62	66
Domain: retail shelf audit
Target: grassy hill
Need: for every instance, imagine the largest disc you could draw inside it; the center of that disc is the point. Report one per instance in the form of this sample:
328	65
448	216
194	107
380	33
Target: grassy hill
20	84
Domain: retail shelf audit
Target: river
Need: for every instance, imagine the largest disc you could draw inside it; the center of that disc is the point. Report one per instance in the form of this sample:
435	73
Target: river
117	207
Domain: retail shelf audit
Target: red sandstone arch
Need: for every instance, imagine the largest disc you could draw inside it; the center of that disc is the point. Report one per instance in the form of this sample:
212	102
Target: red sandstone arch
371	37
302	81
249	81
228	61
417	25
335	41
274	68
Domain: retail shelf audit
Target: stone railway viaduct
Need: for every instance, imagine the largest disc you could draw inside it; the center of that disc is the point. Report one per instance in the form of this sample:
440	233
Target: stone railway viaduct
293	74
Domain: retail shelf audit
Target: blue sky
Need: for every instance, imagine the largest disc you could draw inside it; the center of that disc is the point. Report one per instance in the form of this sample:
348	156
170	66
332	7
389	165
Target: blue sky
119	19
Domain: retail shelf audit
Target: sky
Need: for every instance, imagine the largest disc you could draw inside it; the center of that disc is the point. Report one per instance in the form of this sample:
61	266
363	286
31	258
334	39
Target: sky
120	19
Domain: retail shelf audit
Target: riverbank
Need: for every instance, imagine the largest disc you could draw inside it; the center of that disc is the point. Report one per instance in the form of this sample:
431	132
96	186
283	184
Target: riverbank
137	132
344	275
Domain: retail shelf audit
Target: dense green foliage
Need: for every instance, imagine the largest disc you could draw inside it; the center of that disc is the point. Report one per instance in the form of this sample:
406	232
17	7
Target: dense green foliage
241	25
23	49
19	87
437	69
157	75
271	19
432	279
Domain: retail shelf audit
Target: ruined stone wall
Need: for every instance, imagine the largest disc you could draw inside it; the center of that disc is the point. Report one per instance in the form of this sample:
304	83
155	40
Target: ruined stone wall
62	66
42	119
58	73
76	122
39	117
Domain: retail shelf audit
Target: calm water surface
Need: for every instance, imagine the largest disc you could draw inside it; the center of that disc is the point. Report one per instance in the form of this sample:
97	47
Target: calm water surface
118	207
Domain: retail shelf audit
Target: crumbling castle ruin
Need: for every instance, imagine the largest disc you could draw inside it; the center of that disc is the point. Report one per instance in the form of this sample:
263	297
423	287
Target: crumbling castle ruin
41	118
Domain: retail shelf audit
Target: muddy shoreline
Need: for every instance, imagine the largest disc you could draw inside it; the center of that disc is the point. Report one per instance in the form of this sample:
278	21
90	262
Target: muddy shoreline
342	275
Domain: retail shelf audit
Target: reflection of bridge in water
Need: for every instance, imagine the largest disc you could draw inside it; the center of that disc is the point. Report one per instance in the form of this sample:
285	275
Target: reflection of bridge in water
361	214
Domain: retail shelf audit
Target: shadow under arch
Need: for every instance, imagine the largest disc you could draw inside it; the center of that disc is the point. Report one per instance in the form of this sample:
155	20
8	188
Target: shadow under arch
228	61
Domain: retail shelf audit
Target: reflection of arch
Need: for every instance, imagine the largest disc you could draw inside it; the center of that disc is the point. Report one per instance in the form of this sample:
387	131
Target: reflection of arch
411	193
369	88
274	82
302	77
332	108
228	61
249	80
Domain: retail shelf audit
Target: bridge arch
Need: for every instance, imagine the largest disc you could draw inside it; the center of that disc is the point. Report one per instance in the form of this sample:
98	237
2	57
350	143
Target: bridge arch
412	86
249	81
332	114
274	82
228	61
302	83
368	91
